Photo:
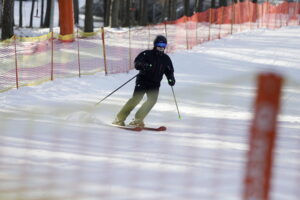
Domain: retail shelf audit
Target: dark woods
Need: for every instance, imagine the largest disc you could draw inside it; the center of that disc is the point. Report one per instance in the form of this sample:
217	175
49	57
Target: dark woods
113	13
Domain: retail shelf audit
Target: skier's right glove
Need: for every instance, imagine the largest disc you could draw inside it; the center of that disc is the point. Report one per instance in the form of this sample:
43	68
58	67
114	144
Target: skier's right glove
146	66
143	66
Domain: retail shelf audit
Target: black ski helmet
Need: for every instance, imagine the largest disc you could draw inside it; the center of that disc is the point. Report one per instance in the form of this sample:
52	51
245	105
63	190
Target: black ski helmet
160	39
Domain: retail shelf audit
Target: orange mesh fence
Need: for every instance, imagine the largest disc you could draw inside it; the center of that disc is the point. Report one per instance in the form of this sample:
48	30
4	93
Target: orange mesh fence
33	60
117	51
90	54
177	35
8	68
140	39
28	61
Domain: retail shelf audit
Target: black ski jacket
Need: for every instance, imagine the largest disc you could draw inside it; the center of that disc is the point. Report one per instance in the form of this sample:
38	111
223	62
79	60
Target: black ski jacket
152	65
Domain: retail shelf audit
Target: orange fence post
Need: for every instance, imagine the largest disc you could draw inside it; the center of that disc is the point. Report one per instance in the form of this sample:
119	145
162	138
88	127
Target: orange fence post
186	32
52	56
16	62
149	38
129	45
104	50
249	14
78	54
232	16
210	20
66	17
262	137
166	34
166	31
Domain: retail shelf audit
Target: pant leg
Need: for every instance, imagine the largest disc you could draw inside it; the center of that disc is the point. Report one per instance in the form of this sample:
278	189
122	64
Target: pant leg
131	103
152	95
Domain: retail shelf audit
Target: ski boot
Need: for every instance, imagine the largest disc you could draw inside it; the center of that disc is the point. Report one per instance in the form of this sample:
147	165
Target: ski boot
137	123
118	122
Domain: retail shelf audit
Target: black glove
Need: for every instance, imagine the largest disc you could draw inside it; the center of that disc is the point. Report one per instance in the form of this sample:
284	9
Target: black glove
143	66
147	67
171	81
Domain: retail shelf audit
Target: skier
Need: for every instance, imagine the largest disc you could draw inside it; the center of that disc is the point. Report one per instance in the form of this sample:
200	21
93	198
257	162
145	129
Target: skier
152	65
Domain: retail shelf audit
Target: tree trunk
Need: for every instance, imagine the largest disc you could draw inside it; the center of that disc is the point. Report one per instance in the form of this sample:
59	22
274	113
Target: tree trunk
223	3
199	5
165	10
88	20
47	15
107	7
31	13
172	9
213	4
115	10
42	14
126	13
8	20
20	13
187	7
144	13
76	11
123	13
1	8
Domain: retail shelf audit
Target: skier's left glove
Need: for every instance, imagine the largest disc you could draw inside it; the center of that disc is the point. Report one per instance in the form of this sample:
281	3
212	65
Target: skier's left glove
171	81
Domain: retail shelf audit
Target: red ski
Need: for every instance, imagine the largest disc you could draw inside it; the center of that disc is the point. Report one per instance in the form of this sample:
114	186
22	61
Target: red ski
133	128
161	128
130	128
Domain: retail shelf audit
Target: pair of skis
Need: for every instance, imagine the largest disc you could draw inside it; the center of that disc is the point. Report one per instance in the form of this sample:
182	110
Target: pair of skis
135	128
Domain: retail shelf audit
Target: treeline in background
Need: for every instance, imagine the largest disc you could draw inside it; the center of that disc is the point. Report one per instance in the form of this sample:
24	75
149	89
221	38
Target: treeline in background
112	13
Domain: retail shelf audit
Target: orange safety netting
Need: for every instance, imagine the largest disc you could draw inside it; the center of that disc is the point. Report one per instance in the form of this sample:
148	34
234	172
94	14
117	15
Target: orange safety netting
29	61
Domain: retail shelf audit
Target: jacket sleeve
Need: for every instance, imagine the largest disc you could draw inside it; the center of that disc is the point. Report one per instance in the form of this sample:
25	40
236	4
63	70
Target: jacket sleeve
169	72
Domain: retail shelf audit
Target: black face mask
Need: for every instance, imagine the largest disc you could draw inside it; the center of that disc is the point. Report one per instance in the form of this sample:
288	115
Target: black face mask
158	51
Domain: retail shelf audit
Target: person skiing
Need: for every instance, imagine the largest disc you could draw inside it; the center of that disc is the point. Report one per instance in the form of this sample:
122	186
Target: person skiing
152	65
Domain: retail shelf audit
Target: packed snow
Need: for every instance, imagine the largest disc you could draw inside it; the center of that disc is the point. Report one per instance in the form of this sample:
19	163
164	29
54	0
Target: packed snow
56	144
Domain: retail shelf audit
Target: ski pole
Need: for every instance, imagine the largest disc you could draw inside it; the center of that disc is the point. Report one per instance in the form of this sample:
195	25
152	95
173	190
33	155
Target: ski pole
115	90
176	103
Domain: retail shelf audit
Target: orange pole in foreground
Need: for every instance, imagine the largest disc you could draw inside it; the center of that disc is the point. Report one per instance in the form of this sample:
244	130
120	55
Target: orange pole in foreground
262	138
66	17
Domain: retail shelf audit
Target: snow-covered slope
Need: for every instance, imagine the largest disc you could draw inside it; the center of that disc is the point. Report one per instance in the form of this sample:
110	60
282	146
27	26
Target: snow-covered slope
56	144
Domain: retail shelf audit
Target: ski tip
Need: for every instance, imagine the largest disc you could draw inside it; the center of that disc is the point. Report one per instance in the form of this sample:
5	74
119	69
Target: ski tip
162	128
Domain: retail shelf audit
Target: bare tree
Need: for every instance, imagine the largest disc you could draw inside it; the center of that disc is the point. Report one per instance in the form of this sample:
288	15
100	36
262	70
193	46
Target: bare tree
144	12
76	11
172	9
165	10
8	20
20	13
47	15
89	20
199	5
127	13
213	4
42	13
186	7
1	8
223	3
31	13
124	13
107	11
114	13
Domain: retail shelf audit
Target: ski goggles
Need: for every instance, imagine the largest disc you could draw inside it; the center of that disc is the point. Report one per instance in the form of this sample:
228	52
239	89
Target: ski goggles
161	44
